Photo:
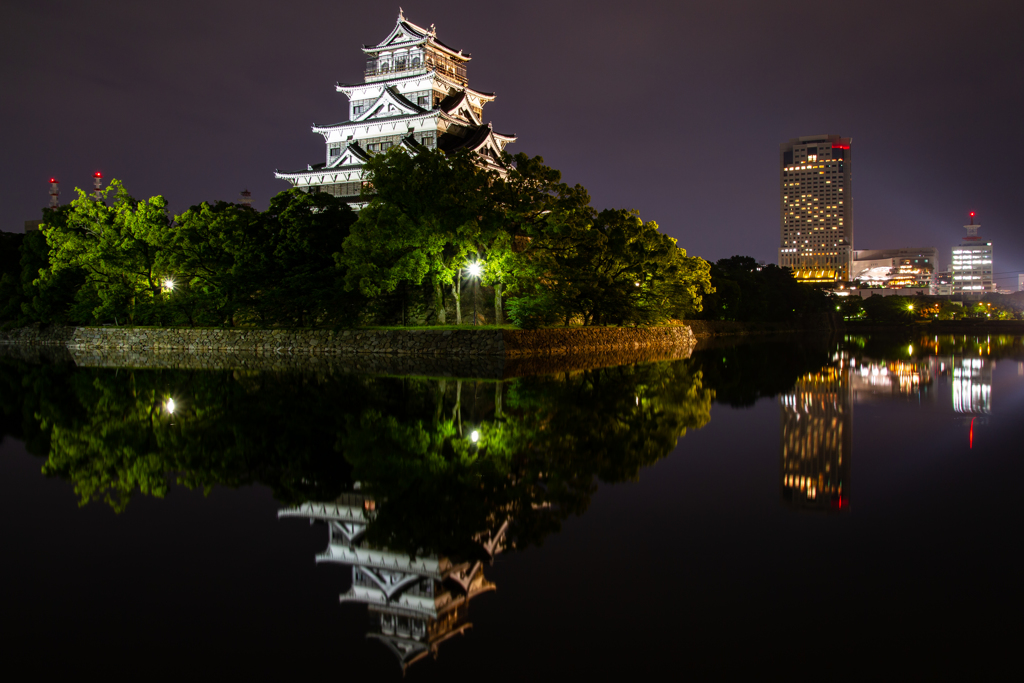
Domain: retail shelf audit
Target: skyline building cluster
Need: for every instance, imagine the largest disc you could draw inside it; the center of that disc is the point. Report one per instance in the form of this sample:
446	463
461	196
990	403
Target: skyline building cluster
816	231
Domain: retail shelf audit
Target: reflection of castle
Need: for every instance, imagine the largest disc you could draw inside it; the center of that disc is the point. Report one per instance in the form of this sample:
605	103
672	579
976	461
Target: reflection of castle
817	439
415	603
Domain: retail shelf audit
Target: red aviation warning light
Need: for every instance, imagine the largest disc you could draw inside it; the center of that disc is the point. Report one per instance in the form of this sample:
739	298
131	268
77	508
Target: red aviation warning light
97	174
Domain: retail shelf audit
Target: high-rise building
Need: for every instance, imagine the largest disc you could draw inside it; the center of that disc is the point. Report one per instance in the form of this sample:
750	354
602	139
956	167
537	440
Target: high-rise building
972	264
415	95
816	206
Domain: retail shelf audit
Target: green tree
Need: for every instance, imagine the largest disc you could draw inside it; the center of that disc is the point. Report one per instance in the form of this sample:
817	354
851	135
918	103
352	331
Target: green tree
422	222
117	247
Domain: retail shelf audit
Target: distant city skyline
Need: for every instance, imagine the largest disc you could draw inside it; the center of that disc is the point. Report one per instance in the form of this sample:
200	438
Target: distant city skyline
687	132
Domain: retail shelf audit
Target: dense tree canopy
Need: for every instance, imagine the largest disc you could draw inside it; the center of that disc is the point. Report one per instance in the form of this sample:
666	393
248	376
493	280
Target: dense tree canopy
747	291
117	260
431	226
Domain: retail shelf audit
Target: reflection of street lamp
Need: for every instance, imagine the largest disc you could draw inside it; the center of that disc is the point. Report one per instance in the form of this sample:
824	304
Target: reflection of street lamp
475	270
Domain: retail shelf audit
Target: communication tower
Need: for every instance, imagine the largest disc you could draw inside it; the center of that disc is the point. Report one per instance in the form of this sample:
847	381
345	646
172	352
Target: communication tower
54	192
97	183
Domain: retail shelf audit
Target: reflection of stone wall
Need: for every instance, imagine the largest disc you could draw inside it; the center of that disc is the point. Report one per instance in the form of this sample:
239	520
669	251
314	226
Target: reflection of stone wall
482	367
37	353
419	342
714	328
35	335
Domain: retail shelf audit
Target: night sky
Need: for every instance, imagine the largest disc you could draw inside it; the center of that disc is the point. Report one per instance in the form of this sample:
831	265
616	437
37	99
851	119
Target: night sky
673	108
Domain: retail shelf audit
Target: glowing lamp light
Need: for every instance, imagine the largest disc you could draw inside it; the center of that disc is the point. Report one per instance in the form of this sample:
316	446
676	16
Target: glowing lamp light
475	269
169	284
53	180
97	174
474	436
170	406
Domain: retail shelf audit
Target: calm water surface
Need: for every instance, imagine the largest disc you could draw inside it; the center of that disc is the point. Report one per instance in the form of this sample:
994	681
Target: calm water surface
802	505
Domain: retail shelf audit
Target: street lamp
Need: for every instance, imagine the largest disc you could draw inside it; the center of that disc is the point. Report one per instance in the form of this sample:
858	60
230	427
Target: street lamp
475	270
169	284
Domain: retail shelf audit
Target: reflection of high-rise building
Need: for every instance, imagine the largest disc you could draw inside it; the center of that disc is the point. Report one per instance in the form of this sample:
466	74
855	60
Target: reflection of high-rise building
414	603
817	440
972	385
817	207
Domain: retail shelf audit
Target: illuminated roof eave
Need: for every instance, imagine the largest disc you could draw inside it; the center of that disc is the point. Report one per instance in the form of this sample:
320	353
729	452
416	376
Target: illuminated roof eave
346	89
389	119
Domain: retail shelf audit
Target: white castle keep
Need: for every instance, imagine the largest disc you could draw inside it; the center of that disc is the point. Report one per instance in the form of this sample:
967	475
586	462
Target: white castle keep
415	94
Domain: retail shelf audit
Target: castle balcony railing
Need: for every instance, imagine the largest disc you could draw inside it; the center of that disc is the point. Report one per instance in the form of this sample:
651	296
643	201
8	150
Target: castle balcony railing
454	72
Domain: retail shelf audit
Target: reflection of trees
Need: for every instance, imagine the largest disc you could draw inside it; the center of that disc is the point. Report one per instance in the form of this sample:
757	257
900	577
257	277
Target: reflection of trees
741	371
542	444
542	441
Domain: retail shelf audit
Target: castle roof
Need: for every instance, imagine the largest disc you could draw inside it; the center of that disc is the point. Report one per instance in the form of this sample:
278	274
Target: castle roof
407	34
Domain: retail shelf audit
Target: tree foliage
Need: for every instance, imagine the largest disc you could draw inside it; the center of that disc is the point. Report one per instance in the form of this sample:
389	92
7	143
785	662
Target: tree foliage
746	291
117	260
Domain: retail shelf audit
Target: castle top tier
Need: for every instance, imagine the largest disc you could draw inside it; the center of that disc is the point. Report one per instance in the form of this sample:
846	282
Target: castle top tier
410	49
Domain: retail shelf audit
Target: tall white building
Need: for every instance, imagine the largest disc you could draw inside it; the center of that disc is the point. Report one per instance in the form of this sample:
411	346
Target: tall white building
415	94
971	265
816	207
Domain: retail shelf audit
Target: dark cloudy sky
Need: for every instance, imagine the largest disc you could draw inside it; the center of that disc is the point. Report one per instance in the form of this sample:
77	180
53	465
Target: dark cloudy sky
673	108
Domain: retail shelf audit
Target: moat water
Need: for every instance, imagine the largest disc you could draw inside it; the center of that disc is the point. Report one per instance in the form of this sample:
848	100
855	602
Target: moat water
812	504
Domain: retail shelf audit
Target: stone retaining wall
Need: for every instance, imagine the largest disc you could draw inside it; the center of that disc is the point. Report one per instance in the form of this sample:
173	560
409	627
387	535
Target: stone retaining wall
418	342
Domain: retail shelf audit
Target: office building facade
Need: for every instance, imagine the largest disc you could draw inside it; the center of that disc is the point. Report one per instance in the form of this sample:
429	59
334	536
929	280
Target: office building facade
816	207
971	264
906	268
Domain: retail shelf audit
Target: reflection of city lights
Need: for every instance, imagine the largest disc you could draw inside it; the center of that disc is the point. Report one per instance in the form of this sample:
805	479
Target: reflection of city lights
474	436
